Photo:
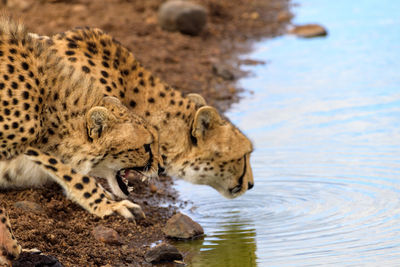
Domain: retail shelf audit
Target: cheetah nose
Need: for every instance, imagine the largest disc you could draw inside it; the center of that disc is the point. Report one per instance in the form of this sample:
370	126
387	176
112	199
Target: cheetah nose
250	186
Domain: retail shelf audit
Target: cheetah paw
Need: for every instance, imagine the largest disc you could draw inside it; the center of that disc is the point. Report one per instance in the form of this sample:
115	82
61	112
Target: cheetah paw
128	210
9	252
124	208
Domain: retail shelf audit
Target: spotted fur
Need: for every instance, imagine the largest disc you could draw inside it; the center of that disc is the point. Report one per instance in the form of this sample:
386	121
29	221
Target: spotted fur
197	144
9	247
57	125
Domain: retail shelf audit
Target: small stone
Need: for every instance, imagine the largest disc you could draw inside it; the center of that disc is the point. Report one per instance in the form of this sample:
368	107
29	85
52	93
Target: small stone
182	16
163	253
29	206
284	16
254	15
251	62
181	226
153	188
106	235
79	8
223	71
151	20
27	259
309	31
23	5
51	238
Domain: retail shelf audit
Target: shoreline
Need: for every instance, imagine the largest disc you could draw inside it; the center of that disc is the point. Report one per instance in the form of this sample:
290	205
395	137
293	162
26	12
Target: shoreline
62	229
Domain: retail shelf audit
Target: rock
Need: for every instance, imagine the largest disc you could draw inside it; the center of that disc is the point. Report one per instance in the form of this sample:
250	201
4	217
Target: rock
309	30
254	15
27	259
29	206
106	235
151	20
79	8
181	226
163	253
23	5
284	16
251	62
223	71
182	16
153	188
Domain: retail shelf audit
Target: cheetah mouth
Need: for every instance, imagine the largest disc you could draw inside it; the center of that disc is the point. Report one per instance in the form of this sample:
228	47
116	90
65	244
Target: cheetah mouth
238	188
123	180
122	174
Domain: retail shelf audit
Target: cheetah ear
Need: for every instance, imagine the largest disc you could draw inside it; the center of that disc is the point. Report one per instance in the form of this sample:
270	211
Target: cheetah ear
197	99
206	119
111	101
97	119
113	104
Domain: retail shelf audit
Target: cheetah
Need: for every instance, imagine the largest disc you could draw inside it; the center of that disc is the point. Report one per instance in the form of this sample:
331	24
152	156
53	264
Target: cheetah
51	129
197	144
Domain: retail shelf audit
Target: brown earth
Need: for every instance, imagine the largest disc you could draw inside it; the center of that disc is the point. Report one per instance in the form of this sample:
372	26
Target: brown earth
190	64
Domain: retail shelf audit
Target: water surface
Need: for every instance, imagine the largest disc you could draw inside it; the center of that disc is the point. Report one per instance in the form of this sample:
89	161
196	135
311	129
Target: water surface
325	121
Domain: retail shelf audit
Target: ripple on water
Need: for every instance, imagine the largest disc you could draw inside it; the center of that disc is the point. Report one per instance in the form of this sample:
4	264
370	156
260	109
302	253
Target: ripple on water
306	219
327	221
325	120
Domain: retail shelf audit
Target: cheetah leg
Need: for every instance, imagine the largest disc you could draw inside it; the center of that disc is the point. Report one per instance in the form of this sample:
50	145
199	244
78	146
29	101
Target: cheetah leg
83	189
9	247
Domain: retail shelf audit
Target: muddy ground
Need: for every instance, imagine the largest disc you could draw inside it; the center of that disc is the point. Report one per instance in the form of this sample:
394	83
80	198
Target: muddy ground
61	228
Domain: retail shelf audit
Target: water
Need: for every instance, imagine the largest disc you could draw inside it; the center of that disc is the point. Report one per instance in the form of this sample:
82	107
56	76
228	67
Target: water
325	121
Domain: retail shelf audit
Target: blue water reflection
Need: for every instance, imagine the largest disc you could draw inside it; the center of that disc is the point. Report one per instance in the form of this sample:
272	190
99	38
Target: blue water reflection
325	120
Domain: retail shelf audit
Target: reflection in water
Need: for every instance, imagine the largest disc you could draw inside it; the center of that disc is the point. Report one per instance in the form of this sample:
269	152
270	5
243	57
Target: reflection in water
230	246
325	120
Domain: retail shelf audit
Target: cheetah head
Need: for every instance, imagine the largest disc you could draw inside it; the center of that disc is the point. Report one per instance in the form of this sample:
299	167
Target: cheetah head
129	143
218	154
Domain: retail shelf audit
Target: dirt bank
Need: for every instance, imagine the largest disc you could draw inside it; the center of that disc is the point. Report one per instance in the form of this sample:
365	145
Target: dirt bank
190	64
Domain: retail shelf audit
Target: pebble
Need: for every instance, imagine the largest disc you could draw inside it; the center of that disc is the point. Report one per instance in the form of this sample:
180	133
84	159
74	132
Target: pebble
79	8
223	71
183	16
254	15
284	16
153	188
251	62
27	259
181	226
309	31
29	206
163	253
23	5
107	235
